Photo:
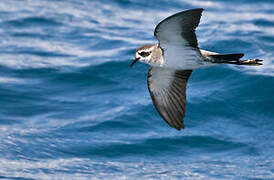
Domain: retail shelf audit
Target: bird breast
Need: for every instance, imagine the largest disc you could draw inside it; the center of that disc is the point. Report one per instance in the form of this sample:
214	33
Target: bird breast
157	57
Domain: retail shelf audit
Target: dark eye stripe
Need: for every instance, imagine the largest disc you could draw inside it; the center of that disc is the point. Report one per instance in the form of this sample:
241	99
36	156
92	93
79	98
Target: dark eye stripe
144	54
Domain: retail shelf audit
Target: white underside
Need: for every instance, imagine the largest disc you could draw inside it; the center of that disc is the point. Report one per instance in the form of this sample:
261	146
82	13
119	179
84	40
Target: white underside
161	79
177	59
183	58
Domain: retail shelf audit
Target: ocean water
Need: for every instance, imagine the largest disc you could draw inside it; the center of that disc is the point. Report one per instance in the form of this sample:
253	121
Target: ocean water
72	108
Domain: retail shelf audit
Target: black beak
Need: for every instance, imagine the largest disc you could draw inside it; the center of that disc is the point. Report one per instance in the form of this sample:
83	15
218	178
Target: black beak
134	61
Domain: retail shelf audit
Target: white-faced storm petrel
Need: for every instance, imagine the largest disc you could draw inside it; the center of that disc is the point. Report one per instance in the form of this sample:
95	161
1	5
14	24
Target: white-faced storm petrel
172	61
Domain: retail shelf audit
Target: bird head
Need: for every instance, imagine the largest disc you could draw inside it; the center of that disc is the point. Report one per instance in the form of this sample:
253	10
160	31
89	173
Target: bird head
145	54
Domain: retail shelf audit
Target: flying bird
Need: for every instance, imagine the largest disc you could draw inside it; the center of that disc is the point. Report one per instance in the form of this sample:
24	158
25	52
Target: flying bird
172	61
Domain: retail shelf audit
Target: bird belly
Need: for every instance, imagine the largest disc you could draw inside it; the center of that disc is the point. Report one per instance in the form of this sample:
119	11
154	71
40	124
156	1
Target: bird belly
184	58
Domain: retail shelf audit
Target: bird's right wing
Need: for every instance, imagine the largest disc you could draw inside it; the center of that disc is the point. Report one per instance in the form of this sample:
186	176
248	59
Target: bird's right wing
167	88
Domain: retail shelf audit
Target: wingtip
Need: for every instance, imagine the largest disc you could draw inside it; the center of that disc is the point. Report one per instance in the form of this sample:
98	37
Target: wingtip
196	9
181	128
202	10
199	9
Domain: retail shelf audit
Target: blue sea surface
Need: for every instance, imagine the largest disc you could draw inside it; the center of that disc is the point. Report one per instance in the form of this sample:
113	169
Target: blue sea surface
72	108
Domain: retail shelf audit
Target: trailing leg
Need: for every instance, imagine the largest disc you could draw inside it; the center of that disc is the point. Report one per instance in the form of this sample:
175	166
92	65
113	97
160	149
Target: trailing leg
233	59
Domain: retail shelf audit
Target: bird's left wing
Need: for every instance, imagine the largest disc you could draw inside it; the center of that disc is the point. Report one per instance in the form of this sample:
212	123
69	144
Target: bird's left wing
167	88
179	29
176	36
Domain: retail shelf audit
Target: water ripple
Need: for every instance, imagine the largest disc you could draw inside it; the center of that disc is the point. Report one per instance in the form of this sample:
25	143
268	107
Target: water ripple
73	108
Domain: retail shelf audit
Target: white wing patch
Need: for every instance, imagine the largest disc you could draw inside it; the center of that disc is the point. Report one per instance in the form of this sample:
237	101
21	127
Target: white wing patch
162	79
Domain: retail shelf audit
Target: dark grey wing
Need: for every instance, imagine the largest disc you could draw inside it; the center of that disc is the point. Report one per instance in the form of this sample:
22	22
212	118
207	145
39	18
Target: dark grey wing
179	29
167	88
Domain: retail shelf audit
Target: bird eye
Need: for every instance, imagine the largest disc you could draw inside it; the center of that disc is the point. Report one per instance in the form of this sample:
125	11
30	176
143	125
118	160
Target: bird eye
144	54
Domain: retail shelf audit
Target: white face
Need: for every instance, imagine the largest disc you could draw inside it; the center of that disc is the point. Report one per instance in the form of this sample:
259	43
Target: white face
143	55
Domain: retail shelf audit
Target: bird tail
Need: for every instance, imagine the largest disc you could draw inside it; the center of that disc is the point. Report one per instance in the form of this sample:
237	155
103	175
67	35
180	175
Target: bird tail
234	59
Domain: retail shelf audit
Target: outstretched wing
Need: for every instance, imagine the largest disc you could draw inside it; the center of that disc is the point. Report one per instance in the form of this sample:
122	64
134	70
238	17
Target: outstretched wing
179	29
167	88
177	38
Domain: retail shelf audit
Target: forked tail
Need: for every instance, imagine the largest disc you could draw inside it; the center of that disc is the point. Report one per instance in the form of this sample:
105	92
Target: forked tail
233	59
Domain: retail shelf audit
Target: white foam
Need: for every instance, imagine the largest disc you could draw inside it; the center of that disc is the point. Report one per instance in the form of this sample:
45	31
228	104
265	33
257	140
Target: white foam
81	19
84	168
204	3
83	15
9	80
